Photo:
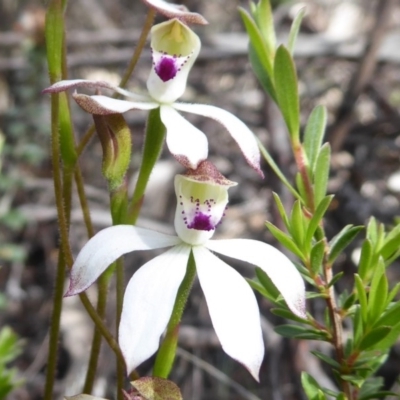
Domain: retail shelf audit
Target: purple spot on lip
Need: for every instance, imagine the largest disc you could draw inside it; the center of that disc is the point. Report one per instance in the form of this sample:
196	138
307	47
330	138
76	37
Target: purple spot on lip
166	69
201	222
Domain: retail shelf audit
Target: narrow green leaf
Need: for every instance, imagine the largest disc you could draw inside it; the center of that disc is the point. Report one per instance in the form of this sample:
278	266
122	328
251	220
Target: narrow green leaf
268	285
311	387
257	42
365	259
390	317
297	228
342	240
390	339
392	294
358	327
337	277
321	174
284	239
281	209
372	230
317	256
300	332
301	188
261	73
362	296
374	337
317	217
378	293
270	161
354	379
281	312
255	285
265	22
314	134
326	359
391	243
294	29
285	78
349	302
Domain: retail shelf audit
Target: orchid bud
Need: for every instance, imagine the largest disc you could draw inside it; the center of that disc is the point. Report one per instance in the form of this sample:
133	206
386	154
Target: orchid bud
174	47
202	197
115	138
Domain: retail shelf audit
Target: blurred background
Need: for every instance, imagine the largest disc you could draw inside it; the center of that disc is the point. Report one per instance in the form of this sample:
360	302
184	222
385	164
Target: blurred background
347	58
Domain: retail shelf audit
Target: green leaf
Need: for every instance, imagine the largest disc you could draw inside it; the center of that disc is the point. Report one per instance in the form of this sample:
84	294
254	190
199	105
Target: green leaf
321	174
377	299
301	187
335	278
392	294
390	339
285	79
294	29
284	313
314	134
365	259
300	332
355	380
255	285
268	285
261	73
374	337
391	243
257	42
281	209
317	217
342	240
297	228
358	327
372	230
311	387
362	296
326	359
317	256
349	302
284	239
265	22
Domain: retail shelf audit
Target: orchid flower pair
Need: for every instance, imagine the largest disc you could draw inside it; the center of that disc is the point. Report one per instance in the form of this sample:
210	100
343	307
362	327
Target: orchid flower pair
202	197
174	47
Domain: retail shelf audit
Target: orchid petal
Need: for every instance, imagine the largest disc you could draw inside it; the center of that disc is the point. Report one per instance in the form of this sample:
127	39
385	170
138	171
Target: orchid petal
233	309
243	136
62	86
187	143
176	11
276	265
108	245
103	105
148	303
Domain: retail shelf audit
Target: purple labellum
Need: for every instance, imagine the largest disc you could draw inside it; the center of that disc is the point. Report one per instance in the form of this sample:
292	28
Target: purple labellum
201	222
167	68
199	216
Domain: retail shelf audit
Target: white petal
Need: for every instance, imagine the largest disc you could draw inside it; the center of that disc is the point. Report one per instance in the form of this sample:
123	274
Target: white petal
108	245
276	265
148	303
176	11
61	86
187	143
103	105
233	309
243	136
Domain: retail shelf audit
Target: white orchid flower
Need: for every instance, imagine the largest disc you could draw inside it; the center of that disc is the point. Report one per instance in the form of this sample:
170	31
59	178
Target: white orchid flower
174	49
149	299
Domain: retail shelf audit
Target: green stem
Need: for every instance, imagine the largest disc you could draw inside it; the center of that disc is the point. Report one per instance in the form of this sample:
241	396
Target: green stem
139	47
55	328
166	355
83	201
102	290
154	140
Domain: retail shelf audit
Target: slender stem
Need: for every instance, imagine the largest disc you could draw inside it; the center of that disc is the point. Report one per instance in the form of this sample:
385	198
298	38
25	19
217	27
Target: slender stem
120	278
83	201
139	47
166	354
55	328
101	326
102	287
